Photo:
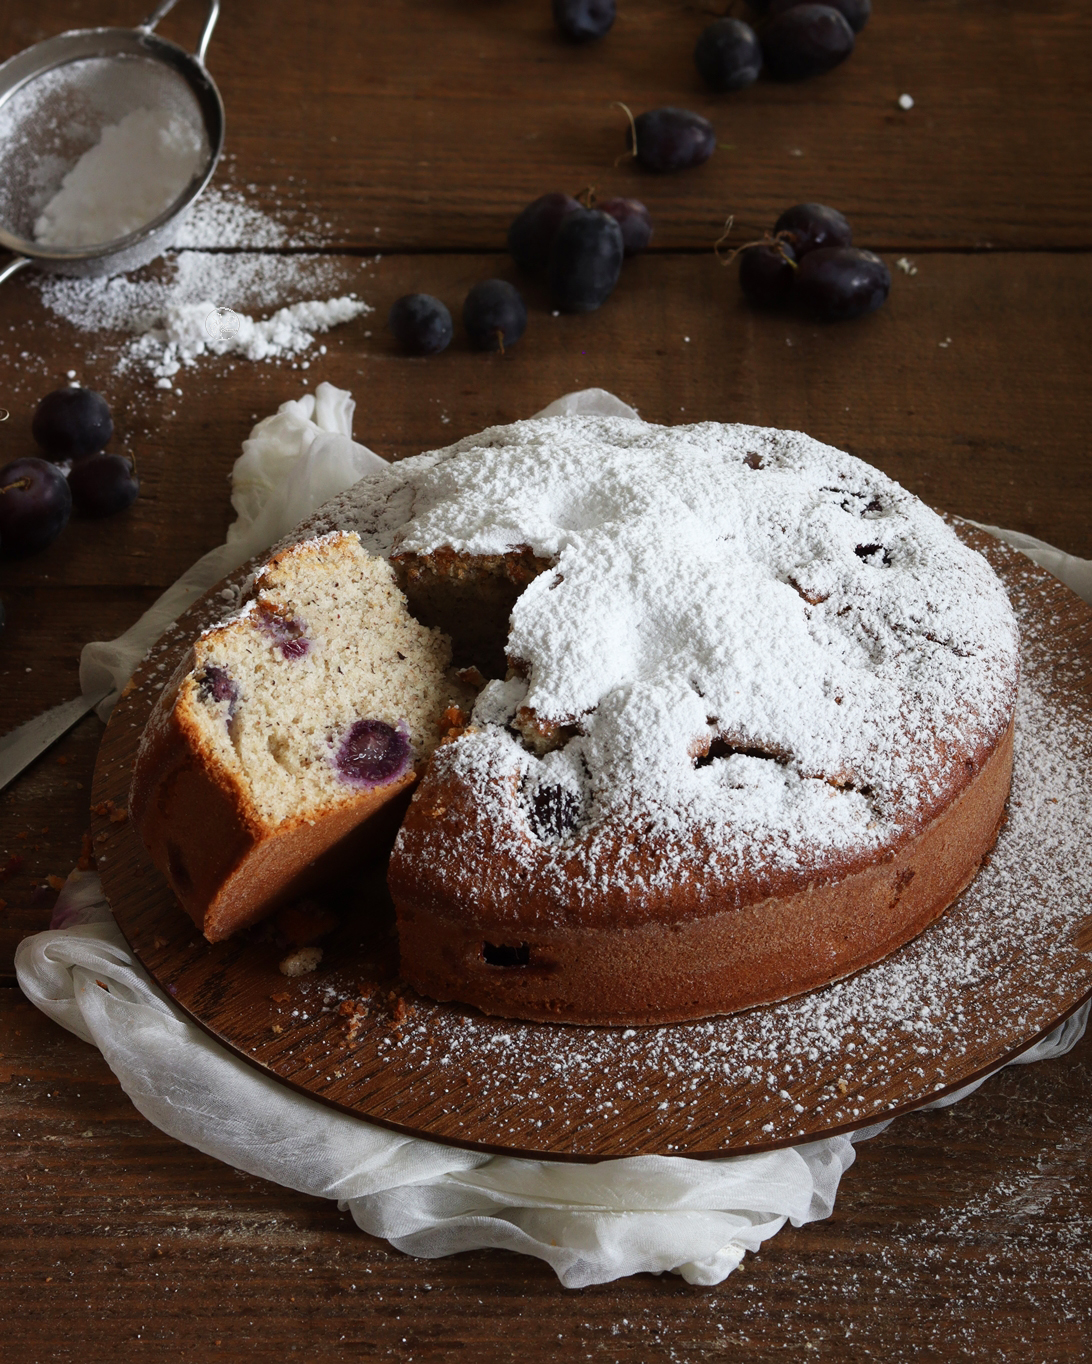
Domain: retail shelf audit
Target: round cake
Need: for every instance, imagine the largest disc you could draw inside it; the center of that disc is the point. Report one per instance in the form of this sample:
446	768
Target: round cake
744	718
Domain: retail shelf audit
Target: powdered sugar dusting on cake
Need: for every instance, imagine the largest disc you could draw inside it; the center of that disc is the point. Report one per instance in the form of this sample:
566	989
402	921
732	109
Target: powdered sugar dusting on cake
752	634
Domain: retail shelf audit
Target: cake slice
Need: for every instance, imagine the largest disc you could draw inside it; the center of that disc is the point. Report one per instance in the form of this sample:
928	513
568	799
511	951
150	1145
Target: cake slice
286	745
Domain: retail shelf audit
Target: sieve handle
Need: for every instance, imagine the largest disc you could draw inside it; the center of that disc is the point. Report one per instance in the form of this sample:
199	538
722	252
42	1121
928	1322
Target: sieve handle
165	8
12	267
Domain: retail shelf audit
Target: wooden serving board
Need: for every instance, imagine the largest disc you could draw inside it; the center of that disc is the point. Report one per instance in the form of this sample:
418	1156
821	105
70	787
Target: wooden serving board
1008	961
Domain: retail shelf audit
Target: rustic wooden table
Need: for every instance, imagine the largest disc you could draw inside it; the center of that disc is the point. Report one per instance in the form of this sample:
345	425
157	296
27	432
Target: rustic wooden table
418	130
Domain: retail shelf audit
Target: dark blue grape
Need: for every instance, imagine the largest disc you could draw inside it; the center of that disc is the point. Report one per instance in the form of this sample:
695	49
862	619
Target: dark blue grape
728	55
585	261
532	233
767	275
839	282
806	41
634	220
103	485
420	324
582	20
373	753
672	139
855	12
35	504
494	315
814	225
72	422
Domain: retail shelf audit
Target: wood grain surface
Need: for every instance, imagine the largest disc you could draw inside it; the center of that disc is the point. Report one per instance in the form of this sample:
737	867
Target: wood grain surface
418	124
960	1234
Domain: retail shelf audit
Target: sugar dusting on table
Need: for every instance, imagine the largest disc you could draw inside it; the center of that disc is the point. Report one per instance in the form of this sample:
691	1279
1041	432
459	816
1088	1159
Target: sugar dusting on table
160	315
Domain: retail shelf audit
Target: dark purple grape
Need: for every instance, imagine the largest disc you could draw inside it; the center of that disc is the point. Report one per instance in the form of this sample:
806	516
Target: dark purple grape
373	753
585	261
634	220
839	282
494	315
672	139
532	233
554	812
855	12
812	226
582	20
728	55
103	485
72	422
217	684
806	41
35	504
289	633
420	323
767	275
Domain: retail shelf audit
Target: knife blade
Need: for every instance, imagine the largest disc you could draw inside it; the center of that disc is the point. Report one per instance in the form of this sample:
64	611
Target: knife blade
19	748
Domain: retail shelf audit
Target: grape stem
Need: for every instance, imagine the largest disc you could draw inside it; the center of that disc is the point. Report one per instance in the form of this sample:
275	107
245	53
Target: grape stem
617	104
775	239
499	333
586	196
20	485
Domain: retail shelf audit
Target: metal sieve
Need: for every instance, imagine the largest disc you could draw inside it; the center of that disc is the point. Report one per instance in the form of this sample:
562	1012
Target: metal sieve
55	100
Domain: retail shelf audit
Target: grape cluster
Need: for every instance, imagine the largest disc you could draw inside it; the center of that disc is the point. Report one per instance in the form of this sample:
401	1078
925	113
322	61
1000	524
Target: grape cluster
37	498
809	260
578	248
797	40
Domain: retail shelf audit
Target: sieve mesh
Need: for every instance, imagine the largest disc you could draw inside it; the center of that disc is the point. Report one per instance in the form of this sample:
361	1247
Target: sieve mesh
48	123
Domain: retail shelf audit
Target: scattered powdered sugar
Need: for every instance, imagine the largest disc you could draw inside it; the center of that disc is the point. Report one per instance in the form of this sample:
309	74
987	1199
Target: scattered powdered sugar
222	218
219	292
136	170
184	334
166	309
818	634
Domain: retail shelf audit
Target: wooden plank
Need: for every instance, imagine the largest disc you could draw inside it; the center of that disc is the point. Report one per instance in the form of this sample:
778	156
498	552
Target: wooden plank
969	387
961	1233
429	125
47	626
44	816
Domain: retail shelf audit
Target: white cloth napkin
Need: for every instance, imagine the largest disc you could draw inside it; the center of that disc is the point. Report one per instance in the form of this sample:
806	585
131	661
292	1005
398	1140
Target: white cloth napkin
591	1222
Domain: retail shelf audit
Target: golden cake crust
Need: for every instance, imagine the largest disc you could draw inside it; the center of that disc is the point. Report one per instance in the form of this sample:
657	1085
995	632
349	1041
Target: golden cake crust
227	867
701	950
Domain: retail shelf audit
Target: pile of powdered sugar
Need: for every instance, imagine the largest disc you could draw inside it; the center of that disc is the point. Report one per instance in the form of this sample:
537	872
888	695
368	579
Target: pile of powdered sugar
209	298
137	169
